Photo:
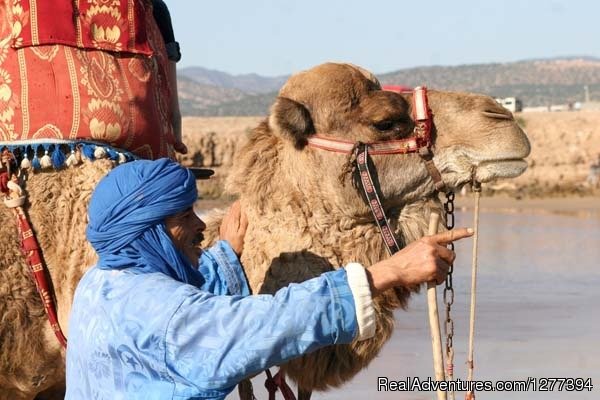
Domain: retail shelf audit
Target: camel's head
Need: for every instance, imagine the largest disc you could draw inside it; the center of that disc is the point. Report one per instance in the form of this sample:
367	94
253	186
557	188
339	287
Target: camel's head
472	134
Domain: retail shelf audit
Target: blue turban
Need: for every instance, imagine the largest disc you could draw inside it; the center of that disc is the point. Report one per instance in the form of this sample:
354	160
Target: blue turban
126	218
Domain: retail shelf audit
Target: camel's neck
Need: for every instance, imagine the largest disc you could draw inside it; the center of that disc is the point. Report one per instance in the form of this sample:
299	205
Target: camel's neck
315	234
348	237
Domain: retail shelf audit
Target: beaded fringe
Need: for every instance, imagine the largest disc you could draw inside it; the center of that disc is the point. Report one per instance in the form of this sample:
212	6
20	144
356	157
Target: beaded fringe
60	155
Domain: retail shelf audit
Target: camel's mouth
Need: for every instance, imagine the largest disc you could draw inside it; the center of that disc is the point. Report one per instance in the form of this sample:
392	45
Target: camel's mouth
508	168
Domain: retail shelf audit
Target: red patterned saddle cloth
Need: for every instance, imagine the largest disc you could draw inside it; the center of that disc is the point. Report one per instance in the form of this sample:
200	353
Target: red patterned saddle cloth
84	70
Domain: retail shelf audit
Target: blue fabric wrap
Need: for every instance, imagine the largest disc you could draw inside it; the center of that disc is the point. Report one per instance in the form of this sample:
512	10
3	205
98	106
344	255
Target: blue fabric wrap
126	218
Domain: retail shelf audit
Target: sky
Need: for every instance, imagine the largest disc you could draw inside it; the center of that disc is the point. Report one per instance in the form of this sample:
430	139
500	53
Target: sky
272	38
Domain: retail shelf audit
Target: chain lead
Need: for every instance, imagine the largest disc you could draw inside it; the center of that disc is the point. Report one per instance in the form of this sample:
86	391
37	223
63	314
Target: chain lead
449	294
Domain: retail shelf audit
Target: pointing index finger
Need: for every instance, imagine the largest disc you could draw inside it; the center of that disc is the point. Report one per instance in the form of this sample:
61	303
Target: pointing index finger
452	235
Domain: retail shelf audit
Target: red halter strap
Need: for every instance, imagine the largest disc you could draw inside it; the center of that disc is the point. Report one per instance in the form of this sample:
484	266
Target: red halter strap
30	247
421	139
277	382
376	148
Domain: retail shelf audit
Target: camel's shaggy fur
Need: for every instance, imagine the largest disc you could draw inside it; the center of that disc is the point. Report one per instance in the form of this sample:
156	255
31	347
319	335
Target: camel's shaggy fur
303	221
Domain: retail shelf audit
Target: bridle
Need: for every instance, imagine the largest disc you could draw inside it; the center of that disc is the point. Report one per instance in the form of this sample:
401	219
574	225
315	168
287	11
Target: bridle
421	143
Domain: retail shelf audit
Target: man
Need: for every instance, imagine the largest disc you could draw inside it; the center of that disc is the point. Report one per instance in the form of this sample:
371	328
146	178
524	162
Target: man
143	325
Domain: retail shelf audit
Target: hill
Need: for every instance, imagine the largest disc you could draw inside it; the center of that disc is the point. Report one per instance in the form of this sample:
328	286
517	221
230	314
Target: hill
537	82
248	83
247	105
195	98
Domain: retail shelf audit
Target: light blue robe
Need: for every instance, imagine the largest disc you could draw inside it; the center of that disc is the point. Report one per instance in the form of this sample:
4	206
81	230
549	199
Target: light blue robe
140	335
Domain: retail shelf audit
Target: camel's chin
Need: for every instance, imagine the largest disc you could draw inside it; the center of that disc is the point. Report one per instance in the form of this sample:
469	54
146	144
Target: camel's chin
490	170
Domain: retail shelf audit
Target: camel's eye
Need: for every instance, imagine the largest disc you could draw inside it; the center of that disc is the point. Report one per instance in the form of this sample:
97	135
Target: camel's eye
385	125
394	126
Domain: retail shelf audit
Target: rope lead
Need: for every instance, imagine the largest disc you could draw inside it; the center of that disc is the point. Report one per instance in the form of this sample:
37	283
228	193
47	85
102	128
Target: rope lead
470	365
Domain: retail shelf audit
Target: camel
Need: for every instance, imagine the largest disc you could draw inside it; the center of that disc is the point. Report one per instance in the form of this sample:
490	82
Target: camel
303	220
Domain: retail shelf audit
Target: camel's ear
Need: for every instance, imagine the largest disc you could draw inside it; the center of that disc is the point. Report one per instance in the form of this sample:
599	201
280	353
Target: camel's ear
291	120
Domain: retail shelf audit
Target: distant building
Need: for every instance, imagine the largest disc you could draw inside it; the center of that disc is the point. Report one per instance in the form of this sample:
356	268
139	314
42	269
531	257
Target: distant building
512	104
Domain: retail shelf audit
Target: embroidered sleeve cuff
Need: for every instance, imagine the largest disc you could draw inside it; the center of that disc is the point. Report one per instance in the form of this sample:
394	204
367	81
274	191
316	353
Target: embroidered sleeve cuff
222	271
365	314
230	267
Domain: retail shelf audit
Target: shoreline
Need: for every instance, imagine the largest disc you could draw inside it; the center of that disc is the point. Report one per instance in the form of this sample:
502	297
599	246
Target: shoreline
583	207
587	206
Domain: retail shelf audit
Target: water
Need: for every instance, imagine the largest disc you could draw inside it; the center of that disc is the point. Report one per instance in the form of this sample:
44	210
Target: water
538	312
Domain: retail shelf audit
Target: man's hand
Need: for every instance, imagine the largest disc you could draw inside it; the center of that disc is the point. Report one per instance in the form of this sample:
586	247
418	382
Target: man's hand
233	228
424	260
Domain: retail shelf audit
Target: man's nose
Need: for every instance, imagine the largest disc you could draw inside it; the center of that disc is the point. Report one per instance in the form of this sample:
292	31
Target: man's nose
199	215
198	211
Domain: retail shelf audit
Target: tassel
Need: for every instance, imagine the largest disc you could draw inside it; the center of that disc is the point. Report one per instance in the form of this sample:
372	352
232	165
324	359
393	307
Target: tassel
122	158
99	152
112	154
71	160
25	163
88	151
15	188
58	158
46	161
35	163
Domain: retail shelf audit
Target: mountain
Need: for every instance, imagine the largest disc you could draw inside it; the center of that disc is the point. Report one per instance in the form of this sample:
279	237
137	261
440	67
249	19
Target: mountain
248	105
249	83
196	97
537	82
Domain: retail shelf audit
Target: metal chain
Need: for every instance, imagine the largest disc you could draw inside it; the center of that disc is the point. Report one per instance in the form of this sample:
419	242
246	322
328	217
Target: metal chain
449	294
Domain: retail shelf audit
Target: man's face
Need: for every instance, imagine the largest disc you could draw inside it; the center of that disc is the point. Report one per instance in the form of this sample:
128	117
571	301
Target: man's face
185	229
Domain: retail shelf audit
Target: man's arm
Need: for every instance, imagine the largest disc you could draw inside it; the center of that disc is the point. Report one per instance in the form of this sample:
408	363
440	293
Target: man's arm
214	342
